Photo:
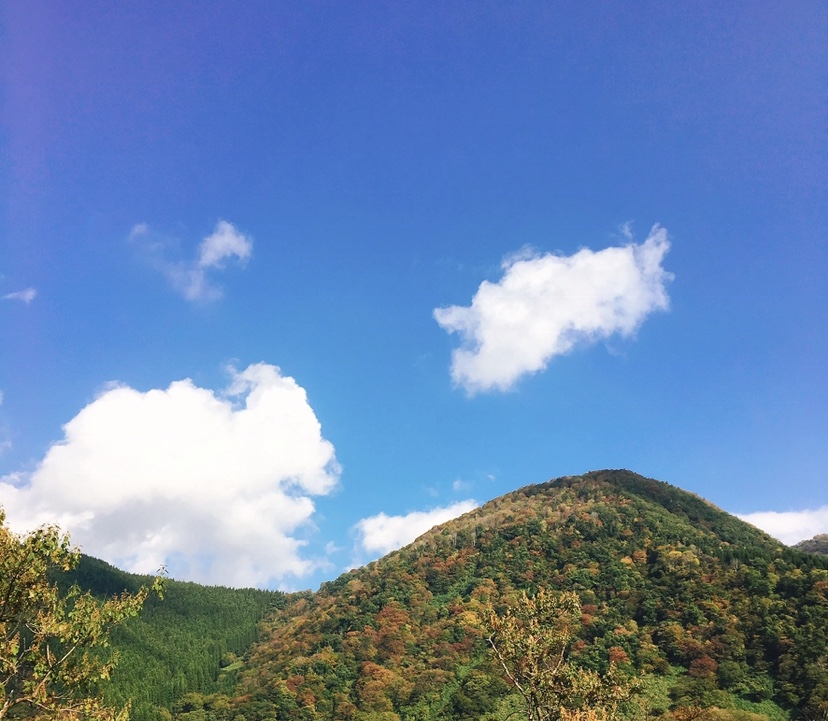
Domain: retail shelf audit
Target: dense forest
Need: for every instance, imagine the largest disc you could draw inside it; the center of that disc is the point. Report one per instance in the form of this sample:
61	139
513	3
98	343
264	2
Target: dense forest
703	609
187	642
712	611
817	544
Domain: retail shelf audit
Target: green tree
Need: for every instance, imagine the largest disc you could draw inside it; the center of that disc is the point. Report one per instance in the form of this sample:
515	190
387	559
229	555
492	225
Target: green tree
52	661
530	641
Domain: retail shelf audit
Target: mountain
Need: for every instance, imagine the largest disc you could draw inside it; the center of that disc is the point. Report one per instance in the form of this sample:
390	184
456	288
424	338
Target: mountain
817	544
709	609
706	608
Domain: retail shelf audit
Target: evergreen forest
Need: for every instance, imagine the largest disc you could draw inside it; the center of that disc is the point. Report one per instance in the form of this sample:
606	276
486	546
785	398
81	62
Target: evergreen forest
188	641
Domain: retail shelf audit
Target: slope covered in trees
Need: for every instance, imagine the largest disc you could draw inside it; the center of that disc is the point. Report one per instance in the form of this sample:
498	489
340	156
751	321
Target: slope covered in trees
669	586
182	644
817	544
53	642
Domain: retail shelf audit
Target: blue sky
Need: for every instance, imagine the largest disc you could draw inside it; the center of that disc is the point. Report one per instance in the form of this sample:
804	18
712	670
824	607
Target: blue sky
285	283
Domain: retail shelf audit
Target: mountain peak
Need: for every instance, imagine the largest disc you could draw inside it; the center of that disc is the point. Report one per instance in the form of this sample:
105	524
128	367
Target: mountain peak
666	580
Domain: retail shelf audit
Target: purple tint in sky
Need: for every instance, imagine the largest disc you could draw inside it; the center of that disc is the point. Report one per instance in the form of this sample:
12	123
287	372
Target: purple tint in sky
210	191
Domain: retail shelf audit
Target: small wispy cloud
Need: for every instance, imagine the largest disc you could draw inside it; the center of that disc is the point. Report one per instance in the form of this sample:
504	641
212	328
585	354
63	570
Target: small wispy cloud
27	295
545	305
225	242
790	526
381	534
139	230
194	278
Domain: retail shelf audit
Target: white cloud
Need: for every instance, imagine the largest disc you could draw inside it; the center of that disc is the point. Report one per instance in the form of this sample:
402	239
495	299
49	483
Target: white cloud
225	242
546	304
27	295
790	526
138	230
193	278
381	534
216	486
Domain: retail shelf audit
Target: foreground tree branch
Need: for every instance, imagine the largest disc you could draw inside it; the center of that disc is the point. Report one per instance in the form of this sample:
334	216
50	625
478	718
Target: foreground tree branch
530	641
51	659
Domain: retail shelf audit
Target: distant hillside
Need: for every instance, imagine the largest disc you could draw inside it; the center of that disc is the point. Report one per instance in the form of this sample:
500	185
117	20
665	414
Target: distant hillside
670	585
179	644
817	544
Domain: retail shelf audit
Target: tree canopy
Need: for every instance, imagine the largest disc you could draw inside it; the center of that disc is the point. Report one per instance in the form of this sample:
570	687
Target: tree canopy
671	589
531	641
52	644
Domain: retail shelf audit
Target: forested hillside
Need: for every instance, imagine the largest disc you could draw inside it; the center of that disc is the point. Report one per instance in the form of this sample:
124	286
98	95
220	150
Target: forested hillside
706	609
817	544
185	643
712	611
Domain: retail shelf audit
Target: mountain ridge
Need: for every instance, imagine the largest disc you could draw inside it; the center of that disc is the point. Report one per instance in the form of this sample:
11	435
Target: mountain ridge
666	580
698	601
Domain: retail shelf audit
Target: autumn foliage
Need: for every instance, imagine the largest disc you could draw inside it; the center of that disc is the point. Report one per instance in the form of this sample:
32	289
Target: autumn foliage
667	584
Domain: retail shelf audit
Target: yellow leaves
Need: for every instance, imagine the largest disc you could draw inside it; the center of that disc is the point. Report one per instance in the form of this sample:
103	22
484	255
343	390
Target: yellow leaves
53	668
470	619
530	640
583	715
325	656
379	687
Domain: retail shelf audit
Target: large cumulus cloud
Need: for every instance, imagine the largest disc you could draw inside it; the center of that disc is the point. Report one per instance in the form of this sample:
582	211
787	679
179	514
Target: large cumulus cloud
216	486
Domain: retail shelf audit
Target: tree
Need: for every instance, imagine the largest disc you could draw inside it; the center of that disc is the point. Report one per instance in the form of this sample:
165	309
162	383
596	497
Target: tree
52	657
530	641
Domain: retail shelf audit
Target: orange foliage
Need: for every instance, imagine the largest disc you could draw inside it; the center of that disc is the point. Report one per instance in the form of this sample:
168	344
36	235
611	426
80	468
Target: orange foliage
618	655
